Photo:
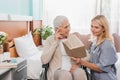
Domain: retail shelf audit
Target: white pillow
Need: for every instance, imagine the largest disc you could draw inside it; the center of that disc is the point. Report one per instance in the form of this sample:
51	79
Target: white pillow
25	46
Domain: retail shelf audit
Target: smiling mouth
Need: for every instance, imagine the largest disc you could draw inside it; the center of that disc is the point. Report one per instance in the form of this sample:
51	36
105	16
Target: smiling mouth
93	32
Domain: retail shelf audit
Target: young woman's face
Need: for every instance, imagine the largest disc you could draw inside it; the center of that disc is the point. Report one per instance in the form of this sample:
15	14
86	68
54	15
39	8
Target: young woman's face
96	29
65	28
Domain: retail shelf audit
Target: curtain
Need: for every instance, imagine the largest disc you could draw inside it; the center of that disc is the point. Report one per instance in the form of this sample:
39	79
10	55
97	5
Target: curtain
111	9
79	13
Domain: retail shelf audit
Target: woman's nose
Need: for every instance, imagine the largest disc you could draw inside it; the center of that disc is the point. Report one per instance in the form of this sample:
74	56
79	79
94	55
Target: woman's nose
92	29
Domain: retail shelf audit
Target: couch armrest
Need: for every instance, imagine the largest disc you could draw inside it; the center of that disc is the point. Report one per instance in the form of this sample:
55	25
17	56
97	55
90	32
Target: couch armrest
116	41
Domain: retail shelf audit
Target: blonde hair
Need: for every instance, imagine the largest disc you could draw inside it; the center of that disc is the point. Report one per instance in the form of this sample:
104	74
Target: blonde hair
102	21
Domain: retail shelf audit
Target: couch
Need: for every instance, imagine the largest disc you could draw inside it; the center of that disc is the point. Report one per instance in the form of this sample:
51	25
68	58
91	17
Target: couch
85	39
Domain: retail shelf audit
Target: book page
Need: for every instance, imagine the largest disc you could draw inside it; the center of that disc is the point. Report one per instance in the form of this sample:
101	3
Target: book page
74	41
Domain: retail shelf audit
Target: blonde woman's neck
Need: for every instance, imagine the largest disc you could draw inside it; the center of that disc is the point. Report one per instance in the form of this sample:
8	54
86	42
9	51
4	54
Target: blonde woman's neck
101	39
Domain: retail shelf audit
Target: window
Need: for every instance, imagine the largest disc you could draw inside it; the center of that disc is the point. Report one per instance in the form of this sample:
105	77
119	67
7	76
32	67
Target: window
79	12
111	9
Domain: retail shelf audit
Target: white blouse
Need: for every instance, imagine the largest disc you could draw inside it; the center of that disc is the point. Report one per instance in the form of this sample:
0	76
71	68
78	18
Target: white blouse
66	60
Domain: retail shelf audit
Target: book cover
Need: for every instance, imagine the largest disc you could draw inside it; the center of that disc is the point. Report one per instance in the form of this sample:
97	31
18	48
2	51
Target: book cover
74	47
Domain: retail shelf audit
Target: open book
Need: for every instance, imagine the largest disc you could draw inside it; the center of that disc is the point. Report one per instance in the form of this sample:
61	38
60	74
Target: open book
74	47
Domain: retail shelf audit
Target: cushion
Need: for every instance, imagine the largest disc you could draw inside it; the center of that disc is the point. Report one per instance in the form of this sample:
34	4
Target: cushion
25	46
85	39
116	41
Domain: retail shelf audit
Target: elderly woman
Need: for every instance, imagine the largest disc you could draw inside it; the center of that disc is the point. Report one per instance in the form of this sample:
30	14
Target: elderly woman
60	65
102	52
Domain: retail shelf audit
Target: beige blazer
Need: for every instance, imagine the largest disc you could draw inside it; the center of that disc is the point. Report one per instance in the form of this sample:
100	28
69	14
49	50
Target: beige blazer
52	55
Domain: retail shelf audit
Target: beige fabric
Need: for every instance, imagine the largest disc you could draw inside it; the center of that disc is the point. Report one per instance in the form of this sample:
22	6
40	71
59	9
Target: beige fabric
52	54
78	74
117	41
60	76
84	39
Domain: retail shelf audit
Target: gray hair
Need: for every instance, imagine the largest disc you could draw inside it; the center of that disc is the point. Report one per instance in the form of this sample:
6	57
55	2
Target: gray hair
58	20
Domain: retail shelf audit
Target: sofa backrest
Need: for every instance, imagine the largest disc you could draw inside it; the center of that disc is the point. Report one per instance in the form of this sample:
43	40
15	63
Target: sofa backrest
116	41
87	43
84	39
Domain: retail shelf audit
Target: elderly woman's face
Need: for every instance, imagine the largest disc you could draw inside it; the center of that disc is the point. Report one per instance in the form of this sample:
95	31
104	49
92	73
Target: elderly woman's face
64	28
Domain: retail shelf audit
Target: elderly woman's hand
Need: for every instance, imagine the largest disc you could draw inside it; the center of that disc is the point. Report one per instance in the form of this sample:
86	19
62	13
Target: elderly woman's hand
77	60
58	35
74	67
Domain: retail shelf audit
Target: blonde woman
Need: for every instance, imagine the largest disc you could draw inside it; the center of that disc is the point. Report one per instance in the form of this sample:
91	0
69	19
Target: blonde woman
102	52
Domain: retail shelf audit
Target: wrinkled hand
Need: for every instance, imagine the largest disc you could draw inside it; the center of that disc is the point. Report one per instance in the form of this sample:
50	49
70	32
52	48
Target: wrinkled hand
77	60
74	67
58	35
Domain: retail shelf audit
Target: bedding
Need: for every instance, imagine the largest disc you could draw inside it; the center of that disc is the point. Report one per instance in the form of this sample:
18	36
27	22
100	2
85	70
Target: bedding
26	49
34	66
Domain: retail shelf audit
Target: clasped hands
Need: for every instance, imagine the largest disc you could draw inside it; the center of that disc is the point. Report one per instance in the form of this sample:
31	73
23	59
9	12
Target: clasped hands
78	62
